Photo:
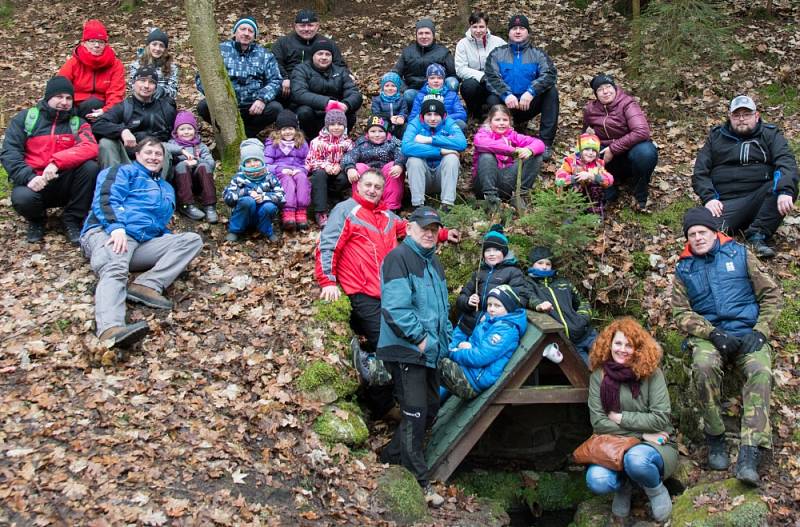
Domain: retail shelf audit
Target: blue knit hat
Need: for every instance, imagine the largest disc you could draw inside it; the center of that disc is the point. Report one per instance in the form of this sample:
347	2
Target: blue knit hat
392	77
435	69
495	238
506	295
250	21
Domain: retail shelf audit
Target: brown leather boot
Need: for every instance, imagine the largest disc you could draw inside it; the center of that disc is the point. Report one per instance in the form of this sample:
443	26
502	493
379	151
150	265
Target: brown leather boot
126	336
149	297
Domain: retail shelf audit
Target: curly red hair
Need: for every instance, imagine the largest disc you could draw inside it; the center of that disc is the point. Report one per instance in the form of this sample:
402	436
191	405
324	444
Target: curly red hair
646	351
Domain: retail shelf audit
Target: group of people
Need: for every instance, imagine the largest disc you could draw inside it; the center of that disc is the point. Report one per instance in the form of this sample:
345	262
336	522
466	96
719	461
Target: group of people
121	166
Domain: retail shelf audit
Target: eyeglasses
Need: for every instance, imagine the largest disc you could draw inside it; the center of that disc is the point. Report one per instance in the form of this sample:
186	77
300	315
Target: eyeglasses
96	42
744	116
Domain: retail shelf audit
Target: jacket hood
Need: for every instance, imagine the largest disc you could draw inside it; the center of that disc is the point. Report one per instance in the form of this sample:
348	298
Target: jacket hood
722	239
53	114
104	60
517	318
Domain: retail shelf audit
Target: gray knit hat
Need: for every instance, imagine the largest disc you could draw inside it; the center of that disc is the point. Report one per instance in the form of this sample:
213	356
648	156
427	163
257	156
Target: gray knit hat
425	23
251	149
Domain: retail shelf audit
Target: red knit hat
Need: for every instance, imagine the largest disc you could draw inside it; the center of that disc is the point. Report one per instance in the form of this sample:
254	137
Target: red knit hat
94	30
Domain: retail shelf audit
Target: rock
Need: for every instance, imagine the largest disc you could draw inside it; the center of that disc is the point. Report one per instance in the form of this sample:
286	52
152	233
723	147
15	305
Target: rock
726	503
342	423
320	374
399	497
594	512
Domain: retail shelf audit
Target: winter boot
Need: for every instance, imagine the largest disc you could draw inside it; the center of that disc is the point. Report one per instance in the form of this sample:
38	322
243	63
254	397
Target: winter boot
288	219
717	452
35	232
759	245
211	214
191	211
660	502
747	465
301	218
621	506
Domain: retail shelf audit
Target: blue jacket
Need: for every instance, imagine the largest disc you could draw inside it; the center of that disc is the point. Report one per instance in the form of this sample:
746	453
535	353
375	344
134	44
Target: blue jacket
493	341
241	186
517	68
388	109
719	288
413	306
446	135
254	73
131	197
452	104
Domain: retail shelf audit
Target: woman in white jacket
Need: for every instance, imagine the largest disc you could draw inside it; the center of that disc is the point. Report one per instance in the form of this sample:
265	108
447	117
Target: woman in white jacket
470	59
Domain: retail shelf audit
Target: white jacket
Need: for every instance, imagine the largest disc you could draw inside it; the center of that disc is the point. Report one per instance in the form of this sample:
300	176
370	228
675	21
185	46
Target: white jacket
471	55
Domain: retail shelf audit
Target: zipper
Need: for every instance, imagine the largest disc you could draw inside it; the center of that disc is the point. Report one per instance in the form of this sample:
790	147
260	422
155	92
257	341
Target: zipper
558	308
605	119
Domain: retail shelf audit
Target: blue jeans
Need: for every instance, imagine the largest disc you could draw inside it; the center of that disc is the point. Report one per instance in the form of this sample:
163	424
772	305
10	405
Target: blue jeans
585	344
636	166
248	213
642	464
410	94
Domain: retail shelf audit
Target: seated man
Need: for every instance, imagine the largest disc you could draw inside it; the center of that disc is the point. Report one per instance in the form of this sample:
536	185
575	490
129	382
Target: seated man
136	117
412	66
49	155
431	144
255	77
746	174
726	304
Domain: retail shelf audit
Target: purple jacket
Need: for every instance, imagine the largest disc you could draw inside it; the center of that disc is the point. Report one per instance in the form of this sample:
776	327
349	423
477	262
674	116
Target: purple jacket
620	125
277	160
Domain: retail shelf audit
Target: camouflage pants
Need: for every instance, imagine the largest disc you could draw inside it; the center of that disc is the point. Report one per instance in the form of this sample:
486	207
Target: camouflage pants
454	379
707	373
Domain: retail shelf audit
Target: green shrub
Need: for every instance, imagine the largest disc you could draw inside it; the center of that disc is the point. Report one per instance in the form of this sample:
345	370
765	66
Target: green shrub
5	185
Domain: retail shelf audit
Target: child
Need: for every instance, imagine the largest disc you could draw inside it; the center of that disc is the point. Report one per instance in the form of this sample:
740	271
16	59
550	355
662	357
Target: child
586	171
558	298
391	105
378	150
194	168
476	363
285	152
498	149
324	160
435	84
254	193
498	267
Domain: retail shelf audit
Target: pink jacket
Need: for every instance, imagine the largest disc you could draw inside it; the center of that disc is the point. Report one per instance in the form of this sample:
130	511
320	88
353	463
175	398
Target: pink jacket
573	166
620	125
327	151
502	146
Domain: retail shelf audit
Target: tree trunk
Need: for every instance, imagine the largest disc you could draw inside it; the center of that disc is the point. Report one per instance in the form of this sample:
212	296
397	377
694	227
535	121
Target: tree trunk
219	93
636	47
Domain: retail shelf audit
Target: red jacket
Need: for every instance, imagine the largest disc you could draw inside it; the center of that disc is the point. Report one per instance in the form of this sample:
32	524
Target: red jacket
353	244
51	140
620	125
102	77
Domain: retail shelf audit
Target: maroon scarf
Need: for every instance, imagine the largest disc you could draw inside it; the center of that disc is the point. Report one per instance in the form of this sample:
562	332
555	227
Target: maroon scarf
615	375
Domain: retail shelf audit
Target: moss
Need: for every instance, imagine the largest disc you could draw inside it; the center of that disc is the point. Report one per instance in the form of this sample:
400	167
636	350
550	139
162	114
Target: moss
779	94
463	215
556	491
5	185
401	496
504	488
788	322
320	373
594	512
342	423
338	311
521	244
459	262
676	366
749	512
641	263
670	217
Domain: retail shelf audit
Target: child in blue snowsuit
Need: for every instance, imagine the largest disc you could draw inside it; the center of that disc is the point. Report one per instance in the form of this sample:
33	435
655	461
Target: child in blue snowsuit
435	84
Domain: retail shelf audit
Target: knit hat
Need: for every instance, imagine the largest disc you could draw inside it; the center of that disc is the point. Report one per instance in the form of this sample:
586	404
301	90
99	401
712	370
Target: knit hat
334	114
146	71
250	21
94	30
286	119
540	253
599	80
392	77
251	149
58	85
433	103
506	295
305	16
376	120
185	117
158	35
425	23
518	21
435	69
322	44
699	216
496	239
588	140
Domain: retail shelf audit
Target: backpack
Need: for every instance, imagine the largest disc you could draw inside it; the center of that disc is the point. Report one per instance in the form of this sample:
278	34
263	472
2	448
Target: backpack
32	117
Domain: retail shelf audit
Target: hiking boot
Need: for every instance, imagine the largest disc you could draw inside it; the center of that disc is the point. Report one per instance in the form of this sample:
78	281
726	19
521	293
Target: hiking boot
547	155
621	506
322	219
147	296
231	237
492	203
717	452
641	207
759	245
359	360
72	232
211	214
301	219
191	211
273	237
288	220
126	336
660	502
35	232
747	465
432	498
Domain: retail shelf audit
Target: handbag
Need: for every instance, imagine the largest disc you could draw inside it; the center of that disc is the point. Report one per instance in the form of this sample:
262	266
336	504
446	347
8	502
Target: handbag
606	450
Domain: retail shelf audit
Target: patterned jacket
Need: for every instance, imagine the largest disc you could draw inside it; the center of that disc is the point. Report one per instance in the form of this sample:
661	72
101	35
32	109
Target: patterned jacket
572	166
241	186
327	151
367	152
254	73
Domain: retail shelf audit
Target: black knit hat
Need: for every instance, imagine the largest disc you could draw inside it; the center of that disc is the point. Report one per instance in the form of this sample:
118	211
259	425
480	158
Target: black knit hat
57	86
321	44
306	16
506	295
495	238
699	216
376	120
286	119
158	35
146	71
599	80
518	21
540	253
433	103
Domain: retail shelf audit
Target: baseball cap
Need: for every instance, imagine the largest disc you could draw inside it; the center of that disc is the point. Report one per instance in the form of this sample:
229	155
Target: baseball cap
424	216
742	101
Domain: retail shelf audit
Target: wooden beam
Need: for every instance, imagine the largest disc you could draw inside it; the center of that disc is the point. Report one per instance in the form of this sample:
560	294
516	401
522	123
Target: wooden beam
461	447
542	395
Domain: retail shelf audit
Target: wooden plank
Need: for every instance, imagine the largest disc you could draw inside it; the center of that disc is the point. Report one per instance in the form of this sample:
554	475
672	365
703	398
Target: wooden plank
542	395
544	322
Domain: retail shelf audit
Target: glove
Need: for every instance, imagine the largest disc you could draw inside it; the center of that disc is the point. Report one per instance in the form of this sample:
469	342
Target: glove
752	342
727	345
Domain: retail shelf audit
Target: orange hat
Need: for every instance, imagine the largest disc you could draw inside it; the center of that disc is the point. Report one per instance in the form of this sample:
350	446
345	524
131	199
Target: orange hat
94	30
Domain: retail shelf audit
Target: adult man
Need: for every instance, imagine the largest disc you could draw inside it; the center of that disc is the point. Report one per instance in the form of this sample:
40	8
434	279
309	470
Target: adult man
49	155
746	174
415	332
726	305
136	117
295	48
316	84
524	79
431	145
415	59
255	77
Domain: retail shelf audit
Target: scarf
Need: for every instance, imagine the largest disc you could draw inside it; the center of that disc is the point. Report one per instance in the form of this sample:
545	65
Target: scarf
286	146
104	60
539	273
191	143
615	375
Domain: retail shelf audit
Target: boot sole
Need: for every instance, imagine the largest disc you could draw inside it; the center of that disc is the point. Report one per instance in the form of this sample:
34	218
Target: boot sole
144	301
129	339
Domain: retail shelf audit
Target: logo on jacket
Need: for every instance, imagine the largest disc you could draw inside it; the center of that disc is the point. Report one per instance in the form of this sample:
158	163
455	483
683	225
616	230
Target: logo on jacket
494	339
730	267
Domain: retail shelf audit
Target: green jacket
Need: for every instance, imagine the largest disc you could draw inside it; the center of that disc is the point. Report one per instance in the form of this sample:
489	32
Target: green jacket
649	413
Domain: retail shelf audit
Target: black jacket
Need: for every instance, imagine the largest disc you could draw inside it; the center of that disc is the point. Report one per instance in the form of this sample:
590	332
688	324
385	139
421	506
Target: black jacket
568	307
141	118
314	88
415	59
291	50
729	166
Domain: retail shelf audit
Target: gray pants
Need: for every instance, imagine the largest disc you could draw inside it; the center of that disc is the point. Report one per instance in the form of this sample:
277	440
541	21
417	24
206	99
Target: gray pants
162	259
113	152
423	179
493	181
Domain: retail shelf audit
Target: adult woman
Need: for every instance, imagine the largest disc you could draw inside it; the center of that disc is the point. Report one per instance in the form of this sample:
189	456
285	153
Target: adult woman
96	73
471	53
155	53
624	134
127	231
628	397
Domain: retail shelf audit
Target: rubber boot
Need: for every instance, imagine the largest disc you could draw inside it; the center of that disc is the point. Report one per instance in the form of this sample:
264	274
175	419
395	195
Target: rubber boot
747	465
717	452
621	506
660	502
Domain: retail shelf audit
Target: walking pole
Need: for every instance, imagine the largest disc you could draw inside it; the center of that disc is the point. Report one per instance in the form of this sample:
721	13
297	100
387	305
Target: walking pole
519	203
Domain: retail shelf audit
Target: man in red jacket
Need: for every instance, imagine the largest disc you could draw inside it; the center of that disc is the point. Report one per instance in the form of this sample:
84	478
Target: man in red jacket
359	234
49	154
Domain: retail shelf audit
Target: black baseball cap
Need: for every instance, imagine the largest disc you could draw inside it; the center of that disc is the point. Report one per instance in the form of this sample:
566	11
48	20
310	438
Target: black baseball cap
424	216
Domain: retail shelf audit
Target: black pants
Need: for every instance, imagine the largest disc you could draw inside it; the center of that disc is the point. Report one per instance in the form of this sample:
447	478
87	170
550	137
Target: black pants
475	94
253	124
546	104
322	184
634	167
312	121
756	214
89	105
73	190
416	388
365	320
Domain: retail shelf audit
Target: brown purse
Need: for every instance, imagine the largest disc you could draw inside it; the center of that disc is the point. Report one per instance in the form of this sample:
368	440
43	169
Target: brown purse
606	450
